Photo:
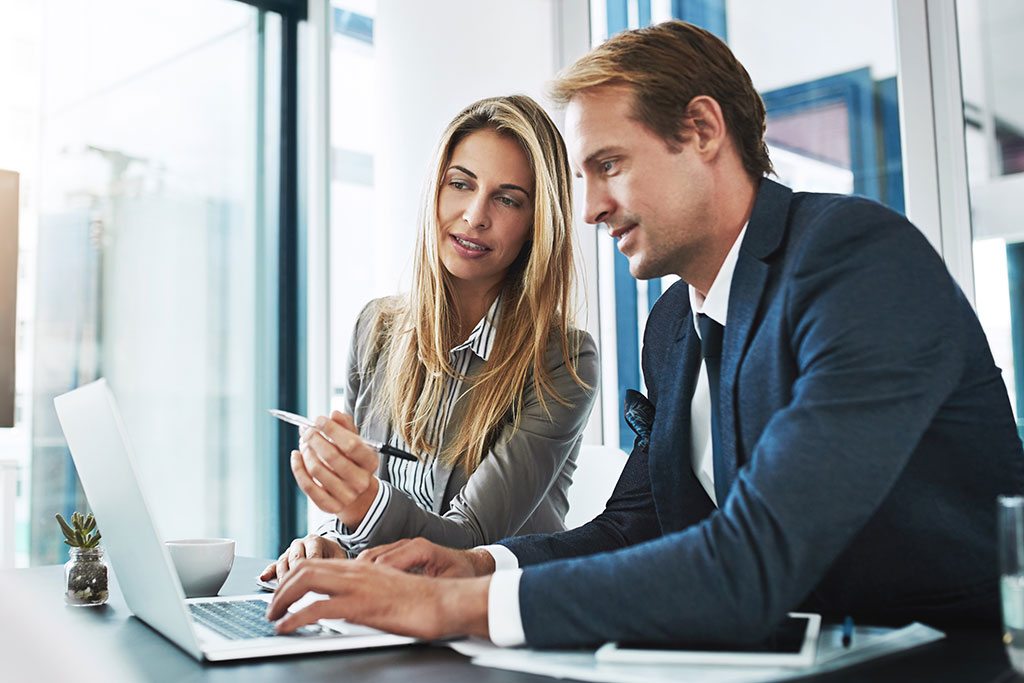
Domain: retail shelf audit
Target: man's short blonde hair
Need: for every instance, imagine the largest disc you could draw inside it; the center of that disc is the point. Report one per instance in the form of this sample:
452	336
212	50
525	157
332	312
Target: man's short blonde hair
667	65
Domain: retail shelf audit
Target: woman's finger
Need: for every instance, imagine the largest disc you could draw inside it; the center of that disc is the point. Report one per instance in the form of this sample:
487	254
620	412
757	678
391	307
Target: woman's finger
344	483
347	442
338	465
321	498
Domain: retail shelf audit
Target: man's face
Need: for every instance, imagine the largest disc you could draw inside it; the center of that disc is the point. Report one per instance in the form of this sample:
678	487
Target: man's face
655	201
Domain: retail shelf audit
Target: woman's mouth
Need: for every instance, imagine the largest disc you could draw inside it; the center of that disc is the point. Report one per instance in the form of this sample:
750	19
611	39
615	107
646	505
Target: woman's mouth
468	246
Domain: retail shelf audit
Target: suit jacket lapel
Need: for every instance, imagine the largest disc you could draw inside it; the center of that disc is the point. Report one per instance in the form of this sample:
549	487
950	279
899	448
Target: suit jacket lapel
764	235
443	473
669	450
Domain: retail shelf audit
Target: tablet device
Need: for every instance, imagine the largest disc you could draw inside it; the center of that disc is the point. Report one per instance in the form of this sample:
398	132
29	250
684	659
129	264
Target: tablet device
794	643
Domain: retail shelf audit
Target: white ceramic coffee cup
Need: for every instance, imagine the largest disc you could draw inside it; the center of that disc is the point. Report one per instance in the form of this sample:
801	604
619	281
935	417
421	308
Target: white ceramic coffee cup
203	564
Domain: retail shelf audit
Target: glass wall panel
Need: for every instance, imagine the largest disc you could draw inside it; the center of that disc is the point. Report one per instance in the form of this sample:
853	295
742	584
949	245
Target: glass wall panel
992	68
364	258
138	128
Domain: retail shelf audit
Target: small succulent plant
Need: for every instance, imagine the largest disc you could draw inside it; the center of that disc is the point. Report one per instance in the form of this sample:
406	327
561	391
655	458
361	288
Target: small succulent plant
85	574
82	532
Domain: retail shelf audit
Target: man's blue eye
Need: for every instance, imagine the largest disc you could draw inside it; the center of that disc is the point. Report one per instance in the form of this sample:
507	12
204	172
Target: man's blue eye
607	165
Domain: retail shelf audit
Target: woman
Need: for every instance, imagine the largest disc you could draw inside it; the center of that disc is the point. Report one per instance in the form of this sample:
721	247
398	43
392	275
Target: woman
477	371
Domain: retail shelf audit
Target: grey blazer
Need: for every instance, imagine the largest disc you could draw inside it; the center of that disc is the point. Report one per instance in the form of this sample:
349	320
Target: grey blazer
520	486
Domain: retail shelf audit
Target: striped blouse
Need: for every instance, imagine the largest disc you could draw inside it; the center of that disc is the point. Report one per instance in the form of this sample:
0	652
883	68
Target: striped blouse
416	479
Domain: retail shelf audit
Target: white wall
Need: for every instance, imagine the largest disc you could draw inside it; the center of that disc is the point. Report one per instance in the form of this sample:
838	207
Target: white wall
433	58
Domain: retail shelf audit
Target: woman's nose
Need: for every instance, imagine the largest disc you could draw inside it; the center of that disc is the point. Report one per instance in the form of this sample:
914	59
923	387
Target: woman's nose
477	215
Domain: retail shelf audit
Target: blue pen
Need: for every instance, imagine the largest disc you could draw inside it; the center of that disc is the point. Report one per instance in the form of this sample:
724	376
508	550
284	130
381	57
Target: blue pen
847	631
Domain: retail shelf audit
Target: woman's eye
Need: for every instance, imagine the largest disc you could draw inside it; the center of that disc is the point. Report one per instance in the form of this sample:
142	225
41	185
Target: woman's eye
458	185
509	202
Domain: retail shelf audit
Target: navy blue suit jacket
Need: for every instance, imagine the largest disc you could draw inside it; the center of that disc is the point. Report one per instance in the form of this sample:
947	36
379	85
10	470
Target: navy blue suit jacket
870	429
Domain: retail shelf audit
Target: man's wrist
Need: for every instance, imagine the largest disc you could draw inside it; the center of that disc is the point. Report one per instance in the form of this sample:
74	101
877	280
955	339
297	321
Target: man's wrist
482	562
463	604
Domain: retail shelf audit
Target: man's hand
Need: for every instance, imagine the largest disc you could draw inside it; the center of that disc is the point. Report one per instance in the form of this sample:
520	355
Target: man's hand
301	549
384	598
423	557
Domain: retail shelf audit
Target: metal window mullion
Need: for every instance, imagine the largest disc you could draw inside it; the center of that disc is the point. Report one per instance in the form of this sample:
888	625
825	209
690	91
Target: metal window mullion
951	144
290	344
932	132
316	97
315	94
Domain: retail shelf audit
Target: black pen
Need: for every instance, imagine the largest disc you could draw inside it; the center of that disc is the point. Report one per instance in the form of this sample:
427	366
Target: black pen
382	448
847	631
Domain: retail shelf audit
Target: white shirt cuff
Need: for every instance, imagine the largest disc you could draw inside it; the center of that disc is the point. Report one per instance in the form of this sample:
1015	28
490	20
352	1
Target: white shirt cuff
503	557
354	540
504	622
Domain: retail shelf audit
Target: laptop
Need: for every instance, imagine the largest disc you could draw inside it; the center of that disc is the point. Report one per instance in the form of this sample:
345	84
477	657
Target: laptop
214	629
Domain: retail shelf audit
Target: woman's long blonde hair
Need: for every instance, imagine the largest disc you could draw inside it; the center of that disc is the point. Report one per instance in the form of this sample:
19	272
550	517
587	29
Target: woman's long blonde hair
417	332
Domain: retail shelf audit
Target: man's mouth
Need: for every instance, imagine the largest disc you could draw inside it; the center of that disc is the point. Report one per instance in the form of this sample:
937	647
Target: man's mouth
617	233
470	244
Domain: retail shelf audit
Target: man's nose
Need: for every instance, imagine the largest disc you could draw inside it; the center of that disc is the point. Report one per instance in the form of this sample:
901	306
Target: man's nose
597	204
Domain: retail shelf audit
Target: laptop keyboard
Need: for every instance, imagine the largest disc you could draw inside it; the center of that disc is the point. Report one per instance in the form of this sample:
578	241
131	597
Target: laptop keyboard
240	619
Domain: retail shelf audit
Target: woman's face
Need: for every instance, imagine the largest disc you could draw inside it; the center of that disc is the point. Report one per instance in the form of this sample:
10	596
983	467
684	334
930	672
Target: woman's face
485	208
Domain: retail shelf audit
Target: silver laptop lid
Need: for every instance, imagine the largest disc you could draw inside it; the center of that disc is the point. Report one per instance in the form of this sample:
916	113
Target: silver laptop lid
99	446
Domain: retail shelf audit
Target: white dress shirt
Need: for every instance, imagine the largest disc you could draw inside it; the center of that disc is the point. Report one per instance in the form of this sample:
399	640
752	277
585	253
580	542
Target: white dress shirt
715	306
504	620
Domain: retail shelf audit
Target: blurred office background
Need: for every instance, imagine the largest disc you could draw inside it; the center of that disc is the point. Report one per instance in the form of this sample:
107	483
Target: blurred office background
210	191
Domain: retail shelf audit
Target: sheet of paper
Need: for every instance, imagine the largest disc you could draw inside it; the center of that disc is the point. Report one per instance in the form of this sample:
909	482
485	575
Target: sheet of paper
868	643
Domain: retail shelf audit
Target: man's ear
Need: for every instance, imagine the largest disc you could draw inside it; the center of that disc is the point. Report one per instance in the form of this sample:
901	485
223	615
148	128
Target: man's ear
706	124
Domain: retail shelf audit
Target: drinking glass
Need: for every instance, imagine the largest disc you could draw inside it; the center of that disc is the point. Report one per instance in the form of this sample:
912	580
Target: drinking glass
1011	567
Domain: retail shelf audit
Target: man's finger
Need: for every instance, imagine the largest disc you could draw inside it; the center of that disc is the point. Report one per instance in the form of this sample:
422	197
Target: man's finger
371	554
331	608
415	554
322	576
269	572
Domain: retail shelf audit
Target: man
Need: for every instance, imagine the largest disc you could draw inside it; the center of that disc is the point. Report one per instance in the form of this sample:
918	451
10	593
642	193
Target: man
840	452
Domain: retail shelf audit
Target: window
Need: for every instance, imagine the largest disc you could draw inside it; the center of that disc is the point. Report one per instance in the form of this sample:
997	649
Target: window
149	218
992	69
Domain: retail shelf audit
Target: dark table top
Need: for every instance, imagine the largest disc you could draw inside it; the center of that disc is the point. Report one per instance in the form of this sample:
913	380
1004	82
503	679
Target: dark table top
107	643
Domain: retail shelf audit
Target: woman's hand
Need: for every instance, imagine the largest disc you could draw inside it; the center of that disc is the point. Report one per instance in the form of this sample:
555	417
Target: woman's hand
310	547
336	469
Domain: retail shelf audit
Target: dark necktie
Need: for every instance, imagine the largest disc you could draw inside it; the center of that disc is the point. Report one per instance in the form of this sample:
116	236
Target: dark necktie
711	334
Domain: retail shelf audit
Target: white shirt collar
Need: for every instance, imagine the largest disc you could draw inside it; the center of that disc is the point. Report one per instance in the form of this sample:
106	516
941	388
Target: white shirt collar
481	339
716	304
